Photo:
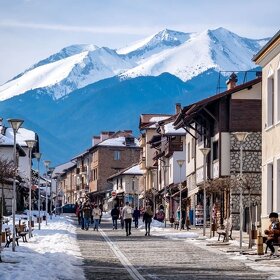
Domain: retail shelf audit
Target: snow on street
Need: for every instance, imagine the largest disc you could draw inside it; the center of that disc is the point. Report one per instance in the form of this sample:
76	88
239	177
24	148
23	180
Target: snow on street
52	253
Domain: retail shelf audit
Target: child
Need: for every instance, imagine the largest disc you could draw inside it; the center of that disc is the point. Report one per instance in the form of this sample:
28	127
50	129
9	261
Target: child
273	232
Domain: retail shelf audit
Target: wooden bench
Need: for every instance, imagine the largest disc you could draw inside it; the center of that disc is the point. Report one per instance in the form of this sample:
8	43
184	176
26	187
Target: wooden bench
223	233
9	237
21	232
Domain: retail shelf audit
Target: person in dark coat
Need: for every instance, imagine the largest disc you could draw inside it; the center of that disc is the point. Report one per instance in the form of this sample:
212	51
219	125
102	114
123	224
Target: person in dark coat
87	209
115	213
147	219
273	232
136	216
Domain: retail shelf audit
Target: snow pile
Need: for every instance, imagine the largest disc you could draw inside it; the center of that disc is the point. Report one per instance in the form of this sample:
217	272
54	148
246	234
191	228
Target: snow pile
52	253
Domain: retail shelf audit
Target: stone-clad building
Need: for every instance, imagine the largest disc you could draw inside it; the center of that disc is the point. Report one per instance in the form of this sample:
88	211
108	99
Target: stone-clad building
212	123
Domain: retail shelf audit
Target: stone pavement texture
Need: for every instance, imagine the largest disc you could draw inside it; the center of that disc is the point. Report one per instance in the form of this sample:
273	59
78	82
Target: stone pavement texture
110	254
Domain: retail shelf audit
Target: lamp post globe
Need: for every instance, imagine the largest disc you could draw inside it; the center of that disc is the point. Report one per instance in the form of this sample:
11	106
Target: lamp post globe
15	125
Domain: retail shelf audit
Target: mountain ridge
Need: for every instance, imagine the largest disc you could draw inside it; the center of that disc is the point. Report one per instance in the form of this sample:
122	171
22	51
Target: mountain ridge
184	55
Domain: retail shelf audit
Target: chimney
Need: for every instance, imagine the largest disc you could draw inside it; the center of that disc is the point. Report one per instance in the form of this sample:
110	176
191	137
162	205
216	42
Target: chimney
95	140
105	135
231	82
178	108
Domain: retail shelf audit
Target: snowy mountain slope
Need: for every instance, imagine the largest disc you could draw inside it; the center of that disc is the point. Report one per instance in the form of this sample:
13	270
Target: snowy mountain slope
219	49
67	74
156	43
184	55
64	53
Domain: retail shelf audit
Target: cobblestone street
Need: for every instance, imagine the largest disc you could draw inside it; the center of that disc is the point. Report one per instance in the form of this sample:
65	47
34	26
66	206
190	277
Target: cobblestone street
109	254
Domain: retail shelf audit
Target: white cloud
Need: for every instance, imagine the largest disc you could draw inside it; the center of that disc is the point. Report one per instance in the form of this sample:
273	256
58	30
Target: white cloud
74	28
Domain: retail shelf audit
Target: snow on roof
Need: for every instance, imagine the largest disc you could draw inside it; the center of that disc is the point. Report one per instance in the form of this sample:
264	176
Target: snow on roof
22	135
159	118
61	168
169	129
135	170
118	142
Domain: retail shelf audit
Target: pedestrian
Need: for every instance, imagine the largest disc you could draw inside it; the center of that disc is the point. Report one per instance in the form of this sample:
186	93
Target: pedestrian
147	219
96	213
86	213
136	216
115	213
273	232
127	216
183	222
121	217
101	209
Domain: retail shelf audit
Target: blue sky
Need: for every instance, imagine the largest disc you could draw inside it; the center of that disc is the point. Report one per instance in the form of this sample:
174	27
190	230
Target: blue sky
34	29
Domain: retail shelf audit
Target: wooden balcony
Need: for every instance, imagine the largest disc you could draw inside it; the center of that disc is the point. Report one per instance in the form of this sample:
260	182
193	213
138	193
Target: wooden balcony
172	146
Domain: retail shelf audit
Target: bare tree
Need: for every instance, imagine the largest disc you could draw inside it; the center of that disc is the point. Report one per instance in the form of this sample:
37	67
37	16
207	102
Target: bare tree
7	171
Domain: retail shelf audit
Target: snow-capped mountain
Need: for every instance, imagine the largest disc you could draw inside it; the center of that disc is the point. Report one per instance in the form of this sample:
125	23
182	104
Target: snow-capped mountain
184	55
217	49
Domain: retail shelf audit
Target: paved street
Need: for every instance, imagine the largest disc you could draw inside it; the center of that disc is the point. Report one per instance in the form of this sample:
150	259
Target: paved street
110	254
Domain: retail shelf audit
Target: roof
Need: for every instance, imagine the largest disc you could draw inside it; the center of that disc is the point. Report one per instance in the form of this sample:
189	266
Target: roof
60	169
149	120
118	142
192	109
22	135
264	49
131	170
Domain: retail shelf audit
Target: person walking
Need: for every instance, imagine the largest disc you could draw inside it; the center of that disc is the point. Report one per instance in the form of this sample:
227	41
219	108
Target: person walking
87	213
115	213
101	210
147	219
96	213
273	232
127	216
121	217
136	216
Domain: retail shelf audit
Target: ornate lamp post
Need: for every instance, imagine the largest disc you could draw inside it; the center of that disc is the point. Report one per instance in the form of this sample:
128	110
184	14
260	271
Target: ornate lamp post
30	144
165	167
205	152
241	137
38	157
180	163
15	125
47	164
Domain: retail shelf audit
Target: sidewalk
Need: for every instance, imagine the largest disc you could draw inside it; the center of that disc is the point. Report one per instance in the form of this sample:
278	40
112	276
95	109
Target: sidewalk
232	249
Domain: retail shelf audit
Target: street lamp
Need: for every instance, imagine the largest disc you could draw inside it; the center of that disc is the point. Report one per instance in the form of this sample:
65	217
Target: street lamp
165	167
15	124
38	157
180	163
30	144
241	137
47	164
205	152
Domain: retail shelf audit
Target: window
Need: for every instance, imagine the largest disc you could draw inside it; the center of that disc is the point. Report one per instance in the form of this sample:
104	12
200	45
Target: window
278	95
270	101
117	155
270	187
94	174
189	152
215	150
193	147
